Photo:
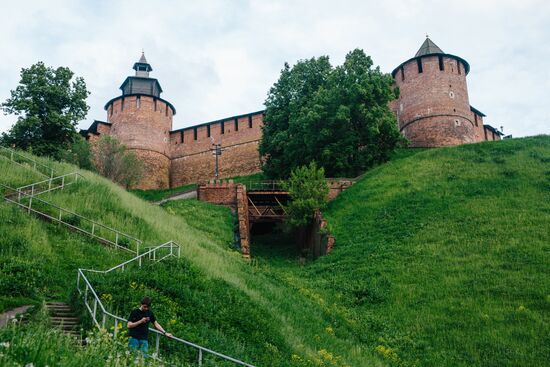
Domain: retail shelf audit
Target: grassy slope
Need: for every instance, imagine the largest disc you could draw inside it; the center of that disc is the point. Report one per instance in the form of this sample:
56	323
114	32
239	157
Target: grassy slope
212	294
442	258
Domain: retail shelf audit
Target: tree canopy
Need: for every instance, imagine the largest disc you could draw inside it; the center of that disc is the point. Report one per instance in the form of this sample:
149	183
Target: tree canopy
336	116
308	189
49	103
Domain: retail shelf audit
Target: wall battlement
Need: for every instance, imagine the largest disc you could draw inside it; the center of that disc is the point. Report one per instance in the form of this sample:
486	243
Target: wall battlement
433	110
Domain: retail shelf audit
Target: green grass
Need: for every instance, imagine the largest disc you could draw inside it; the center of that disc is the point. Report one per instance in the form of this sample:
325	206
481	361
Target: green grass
442	258
213	295
158	195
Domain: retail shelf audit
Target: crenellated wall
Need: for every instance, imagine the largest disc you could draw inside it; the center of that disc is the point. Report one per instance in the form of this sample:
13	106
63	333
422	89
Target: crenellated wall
192	155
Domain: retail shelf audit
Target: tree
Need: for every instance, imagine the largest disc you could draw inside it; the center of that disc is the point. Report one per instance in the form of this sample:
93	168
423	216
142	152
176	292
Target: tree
338	117
79	153
49	103
111	159
308	190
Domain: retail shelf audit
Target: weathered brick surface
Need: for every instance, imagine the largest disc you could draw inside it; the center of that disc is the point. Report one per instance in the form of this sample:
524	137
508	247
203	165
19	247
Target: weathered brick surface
242	216
193	161
143	124
219	192
433	108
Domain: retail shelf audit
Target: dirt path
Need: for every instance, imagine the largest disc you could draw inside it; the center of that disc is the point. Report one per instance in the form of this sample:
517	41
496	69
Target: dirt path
8	315
191	194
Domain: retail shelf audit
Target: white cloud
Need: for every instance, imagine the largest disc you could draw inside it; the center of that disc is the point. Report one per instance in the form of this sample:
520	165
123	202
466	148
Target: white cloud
218	58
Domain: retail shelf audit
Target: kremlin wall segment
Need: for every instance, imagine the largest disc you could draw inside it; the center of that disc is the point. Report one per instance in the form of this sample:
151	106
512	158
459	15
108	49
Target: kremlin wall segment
433	110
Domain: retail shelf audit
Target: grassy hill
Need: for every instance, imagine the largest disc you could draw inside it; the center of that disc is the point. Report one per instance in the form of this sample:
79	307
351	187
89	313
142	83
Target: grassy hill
442	259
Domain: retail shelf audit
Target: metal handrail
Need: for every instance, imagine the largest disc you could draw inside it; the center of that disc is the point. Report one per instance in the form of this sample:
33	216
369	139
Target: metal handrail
264	185
12	154
118	235
93	309
151	252
65	181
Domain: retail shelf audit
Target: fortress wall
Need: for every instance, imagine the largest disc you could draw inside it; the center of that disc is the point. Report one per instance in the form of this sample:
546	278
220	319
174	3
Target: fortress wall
478	127
143	124
433	107
193	161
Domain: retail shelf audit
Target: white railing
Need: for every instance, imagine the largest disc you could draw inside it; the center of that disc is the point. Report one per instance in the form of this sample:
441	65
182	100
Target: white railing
53	183
103	318
23	160
28	193
79	223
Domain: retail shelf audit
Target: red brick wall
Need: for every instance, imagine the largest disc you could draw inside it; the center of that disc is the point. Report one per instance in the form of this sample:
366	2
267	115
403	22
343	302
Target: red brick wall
193	161
433	108
144	126
218	192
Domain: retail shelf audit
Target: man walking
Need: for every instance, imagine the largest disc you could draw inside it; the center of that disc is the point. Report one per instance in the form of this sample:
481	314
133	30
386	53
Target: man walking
138	326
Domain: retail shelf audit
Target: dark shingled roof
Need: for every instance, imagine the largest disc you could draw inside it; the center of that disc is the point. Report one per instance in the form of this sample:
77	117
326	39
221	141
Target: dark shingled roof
428	48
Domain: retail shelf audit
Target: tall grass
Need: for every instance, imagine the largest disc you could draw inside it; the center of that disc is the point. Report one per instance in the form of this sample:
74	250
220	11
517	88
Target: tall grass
442	258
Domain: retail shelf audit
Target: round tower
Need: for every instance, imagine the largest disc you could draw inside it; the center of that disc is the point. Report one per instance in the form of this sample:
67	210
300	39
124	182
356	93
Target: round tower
433	109
142	121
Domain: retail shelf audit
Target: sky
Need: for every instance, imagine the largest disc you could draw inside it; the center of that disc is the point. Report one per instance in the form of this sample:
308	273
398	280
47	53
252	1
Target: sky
217	59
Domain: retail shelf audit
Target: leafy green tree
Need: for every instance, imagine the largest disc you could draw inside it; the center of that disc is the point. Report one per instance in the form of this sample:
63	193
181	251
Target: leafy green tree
336	116
49	103
79	153
308	190
111	159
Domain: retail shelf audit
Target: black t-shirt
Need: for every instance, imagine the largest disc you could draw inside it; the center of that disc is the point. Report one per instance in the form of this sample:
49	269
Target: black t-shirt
142	330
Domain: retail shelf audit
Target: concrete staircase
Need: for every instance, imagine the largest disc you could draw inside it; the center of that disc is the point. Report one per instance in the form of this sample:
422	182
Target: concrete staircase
63	317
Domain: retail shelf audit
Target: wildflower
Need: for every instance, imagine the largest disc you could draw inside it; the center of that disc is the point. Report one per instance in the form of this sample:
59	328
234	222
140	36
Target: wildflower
172	322
5	344
133	285
521	308
329	330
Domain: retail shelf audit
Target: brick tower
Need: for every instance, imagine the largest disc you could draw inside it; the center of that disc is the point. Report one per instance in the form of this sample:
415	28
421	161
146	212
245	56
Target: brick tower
433	109
142	121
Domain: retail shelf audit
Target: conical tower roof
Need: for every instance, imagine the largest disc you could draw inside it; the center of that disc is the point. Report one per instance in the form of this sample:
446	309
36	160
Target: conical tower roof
428	48
142	59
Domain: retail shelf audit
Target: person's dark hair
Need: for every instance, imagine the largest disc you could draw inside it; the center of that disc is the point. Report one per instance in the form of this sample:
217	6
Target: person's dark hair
146	301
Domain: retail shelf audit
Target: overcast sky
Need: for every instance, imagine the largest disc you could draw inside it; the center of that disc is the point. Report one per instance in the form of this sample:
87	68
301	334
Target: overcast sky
217	59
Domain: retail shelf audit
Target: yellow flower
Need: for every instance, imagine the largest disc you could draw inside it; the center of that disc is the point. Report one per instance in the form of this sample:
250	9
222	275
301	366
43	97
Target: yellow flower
133	285
329	330
172	322
521	308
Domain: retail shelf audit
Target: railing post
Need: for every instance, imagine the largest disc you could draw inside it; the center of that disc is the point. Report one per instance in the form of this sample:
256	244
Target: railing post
95	309
139	260
200	357
179	251
60	211
50	184
32	190
157	342
103	321
116	328
30	203
78	282
11	155
116	239
93	228
62	182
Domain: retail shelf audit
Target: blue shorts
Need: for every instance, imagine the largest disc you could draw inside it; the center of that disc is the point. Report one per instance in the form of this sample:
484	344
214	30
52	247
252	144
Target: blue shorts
138	344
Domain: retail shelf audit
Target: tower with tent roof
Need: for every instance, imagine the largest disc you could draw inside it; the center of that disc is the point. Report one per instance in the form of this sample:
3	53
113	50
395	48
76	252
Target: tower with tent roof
433	109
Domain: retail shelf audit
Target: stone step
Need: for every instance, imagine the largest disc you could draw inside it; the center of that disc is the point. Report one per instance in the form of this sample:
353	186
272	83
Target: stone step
72	318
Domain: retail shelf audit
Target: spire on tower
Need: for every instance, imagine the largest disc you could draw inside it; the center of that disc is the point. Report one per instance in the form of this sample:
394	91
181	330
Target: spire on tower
142	67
